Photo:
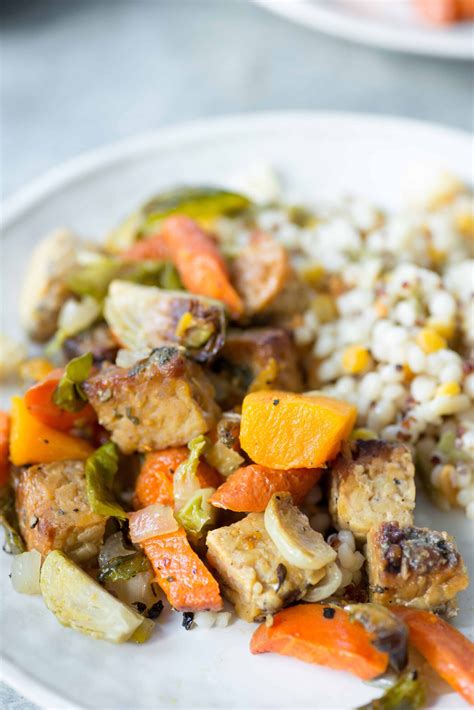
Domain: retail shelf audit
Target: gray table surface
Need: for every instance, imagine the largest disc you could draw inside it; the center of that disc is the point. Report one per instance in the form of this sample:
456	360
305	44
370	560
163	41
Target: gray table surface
76	74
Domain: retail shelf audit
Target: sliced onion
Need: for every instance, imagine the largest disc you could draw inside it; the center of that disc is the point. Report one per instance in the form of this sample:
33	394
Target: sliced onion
327	586
114	547
25	574
225	460
78	315
128	358
151	521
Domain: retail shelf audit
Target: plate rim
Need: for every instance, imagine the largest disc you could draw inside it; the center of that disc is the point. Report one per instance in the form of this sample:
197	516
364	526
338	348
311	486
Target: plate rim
85	163
316	17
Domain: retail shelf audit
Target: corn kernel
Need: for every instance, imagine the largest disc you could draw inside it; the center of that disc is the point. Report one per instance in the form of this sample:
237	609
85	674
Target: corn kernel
437	256
36	369
408	374
355	359
363	434
312	274
430	341
381	308
448	389
324	306
445	328
464	222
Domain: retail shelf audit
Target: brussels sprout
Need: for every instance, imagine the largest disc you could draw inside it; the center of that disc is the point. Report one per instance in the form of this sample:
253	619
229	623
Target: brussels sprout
185	480
101	468
143	316
69	394
81	603
196	202
408	693
93	279
197	513
13	544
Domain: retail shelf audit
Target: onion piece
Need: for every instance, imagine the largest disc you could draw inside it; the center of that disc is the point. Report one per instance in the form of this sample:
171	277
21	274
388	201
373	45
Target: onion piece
25	573
153	520
327	586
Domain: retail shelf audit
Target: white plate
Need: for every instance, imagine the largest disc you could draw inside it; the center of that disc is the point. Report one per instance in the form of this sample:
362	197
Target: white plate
391	24
319	155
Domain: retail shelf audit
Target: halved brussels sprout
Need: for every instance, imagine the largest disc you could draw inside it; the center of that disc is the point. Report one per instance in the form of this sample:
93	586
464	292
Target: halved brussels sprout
81	603
143	316
196	202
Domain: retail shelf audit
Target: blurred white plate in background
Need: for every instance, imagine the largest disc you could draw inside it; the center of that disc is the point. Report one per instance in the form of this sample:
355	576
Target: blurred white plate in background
390	24
318	155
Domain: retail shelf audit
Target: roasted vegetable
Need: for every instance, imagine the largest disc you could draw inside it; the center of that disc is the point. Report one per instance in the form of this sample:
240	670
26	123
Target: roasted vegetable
197	513
81	603
249	489
100	471
408	693
25	574
294	537
98	340
200	264
13	542
31	441
184	578
260	272
4	447
322	634
185	480
143	316
69	394
155	480
445	648
45	286
197	202
94	278
283	430
39	401
391	634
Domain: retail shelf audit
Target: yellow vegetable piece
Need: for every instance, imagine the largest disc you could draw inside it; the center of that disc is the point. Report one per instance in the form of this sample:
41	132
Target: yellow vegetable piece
464	222
312	274
355	359
324	306
446	328
283	430
33	442
448	389
36	369
430	341
363	434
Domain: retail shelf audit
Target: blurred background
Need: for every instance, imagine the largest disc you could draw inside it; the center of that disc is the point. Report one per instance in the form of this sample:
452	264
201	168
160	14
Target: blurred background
77	74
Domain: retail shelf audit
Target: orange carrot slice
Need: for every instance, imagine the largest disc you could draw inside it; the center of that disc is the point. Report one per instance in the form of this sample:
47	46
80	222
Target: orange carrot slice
31	441
249	489
4	437
186	581
314	635
199	262
284	430
153	248
155	480
39	402
445	648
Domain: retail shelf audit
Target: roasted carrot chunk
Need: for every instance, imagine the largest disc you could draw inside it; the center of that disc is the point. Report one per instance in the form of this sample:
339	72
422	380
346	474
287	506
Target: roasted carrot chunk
39	402
314	635
155	480
445	648
4	436
249	489
186	581
153	248
284	430
31	441
199	262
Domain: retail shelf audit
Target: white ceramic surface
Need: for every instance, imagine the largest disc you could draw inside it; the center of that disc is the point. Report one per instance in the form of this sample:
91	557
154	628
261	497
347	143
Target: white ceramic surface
319	156
390	24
